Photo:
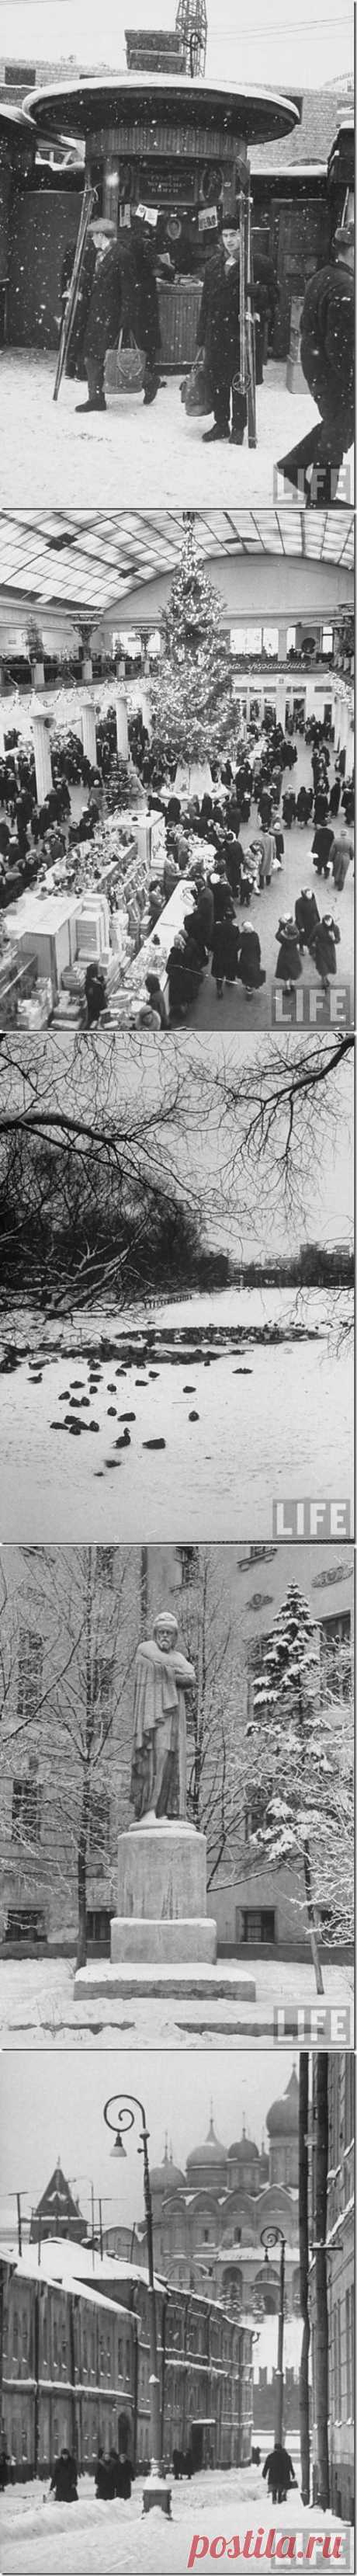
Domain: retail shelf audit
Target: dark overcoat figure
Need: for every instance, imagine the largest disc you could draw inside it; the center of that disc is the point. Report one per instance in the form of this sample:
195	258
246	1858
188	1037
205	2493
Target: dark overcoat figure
307	917
327	355
327	938
288	966
250	971
218	332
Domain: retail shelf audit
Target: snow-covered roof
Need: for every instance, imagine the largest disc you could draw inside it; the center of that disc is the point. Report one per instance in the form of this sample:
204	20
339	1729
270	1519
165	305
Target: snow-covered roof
63	2260
27	2269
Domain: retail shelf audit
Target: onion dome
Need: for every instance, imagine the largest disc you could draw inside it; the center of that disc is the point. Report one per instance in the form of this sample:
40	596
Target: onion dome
283	2117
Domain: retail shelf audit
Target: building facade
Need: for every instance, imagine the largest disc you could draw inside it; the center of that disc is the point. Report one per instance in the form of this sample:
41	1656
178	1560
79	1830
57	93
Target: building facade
226	1600
340	2287
76	2363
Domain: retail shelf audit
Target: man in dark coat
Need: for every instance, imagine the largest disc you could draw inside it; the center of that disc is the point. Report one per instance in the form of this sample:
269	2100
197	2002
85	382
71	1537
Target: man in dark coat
279	2472
321	847
307	916
124	297
327	359
218	328
63	2482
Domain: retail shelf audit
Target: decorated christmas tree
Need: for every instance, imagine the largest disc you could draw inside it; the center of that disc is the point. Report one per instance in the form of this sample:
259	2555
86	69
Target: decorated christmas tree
193	701
294	1787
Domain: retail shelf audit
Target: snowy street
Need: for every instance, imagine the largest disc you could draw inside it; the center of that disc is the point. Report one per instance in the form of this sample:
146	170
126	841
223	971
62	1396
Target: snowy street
51	457
43	2535
37	2009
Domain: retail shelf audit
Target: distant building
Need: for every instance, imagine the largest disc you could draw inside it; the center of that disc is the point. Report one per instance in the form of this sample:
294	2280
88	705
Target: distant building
57	2213
207	2224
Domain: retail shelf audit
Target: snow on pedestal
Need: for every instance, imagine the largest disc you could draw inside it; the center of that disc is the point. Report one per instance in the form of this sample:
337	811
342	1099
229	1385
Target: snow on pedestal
162	1941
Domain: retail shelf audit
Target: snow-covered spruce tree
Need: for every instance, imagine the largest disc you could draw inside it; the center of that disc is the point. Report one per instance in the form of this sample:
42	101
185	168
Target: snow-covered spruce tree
194	707
292	1770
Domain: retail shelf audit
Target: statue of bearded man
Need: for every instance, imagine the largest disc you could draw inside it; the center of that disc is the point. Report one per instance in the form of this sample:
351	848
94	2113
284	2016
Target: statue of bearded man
162	1676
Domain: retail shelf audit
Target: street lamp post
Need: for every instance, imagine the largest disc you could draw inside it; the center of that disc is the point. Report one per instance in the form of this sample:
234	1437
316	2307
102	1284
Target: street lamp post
155	2489
269	2237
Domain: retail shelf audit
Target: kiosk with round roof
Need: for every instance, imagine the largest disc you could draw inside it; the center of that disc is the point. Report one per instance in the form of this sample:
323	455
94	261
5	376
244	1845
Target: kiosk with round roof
170	145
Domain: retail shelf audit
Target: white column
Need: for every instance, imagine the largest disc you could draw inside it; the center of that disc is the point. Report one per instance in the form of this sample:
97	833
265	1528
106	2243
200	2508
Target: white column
122	724
143	829
145	709
280	701
89	731
41	744
282	642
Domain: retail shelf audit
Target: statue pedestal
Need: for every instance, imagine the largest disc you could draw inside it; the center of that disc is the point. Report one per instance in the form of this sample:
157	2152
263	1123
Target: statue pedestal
162	1895
162	1940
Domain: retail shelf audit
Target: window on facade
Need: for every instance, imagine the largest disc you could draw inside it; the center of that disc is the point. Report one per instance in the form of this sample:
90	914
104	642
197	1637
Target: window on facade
120	2355
99	1827
258	1926
55	2339
29	1683
15	2333
26	1810
25	1923
84	2347
335	1655
189	1559
127	2359
44	2333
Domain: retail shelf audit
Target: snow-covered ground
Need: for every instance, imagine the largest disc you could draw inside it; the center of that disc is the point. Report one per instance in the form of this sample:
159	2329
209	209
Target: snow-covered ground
52	456
37	2533
267	1411
37	2009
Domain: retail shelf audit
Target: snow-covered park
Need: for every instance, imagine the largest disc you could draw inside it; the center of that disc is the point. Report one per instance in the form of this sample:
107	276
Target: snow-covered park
37	2009
53	456
37	2533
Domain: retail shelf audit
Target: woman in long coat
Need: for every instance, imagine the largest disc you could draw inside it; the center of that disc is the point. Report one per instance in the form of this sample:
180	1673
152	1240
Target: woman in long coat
326	940
250	971
288	966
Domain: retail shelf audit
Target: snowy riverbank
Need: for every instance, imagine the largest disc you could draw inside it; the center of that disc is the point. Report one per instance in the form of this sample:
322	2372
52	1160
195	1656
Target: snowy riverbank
184	1420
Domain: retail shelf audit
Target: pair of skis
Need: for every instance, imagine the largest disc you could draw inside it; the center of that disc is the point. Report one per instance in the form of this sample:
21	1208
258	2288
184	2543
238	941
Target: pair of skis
73	292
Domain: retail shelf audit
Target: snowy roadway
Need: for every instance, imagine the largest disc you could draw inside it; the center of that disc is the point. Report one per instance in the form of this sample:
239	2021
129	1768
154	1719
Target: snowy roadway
37	2533
51	457
37	2009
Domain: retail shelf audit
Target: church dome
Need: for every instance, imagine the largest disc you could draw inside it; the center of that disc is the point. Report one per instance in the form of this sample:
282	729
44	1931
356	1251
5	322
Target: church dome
211	2158
283	2117
167	2177
243	2151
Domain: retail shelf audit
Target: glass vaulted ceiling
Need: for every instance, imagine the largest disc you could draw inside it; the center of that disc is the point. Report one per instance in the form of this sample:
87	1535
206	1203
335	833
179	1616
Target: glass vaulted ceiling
94	560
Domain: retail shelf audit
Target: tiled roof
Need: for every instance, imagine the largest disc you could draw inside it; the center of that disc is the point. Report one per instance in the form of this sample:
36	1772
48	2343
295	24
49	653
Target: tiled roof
321	113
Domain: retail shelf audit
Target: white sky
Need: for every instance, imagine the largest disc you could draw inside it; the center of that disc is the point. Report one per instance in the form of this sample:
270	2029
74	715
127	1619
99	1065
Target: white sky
247	41
52	2105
